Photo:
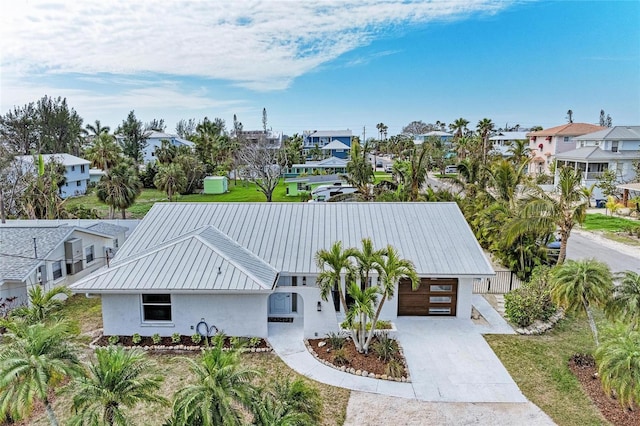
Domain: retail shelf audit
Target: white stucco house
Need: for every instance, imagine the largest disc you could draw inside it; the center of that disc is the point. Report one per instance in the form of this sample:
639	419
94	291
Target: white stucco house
616	148
240	265
502	142
52	254
154	140
545	145
76	171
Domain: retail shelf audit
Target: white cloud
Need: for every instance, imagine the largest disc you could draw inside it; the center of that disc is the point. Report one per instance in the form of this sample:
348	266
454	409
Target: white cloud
261	45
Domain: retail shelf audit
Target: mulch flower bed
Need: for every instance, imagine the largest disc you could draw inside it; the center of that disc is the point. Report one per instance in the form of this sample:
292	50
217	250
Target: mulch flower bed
358	363
584	368
167	343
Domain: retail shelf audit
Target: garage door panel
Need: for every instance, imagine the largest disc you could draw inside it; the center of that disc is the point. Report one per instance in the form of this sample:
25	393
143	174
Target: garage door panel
433	297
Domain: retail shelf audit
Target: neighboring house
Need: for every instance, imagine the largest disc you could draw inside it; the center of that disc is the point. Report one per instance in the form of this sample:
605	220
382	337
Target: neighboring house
503	141
446	138
321	138
95	175
304	185
76	171
272	139
616	148
52	255
331	165
238	265
336	149
154	140
545	144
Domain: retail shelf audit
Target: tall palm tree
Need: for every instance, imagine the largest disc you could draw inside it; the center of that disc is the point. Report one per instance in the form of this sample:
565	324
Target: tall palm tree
221	392
577	285
560	210
520	152
459	127
119	378
97	129
392	269
485	127
504	179
104	152
119	188
366	261
33	360
333	263
171	179
361	309
43	306
618	360
625	304
359	171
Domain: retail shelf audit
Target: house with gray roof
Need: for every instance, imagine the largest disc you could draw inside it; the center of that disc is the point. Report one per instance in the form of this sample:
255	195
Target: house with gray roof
331	165
240	265
154	141
321	138
76	171
52	255
616	148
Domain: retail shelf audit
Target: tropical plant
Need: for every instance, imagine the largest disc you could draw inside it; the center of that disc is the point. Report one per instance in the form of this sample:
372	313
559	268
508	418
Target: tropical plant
560	210
394	368
221	391
618	360
41	197
579	285
136	338
43	305
504	179
166	152
288	402
367	261
156	338
171	179
119	188
385	348
104	153
336	340
94	130
118	378
392	269
612	205
519	151
196	338
34	359
459	127
340	357
532	301
359	170
175	338
113	340
625	303
362	308
332	264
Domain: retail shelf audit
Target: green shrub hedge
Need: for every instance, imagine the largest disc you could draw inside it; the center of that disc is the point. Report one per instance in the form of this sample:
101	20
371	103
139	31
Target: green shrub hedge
530	302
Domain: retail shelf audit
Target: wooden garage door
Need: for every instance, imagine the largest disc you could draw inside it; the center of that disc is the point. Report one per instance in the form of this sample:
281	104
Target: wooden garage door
436	297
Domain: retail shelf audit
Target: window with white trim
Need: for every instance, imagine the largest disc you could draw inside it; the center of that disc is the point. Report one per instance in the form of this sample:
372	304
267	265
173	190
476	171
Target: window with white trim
156	307
57	269
89	254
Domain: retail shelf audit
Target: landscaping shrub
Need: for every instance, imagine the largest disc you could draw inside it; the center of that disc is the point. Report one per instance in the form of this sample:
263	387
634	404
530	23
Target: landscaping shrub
254	342
336	340
385	348
175	337
530	302
340	357
156	339
196	338
136	339
113	340
394	368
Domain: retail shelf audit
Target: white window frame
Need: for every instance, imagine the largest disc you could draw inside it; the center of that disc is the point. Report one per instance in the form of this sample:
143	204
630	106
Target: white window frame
53	269
86	254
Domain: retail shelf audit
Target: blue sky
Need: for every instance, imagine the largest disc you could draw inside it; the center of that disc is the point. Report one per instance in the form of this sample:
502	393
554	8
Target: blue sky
326	65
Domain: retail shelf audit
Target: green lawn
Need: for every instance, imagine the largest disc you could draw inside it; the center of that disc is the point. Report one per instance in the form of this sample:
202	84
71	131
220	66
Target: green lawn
538	364
600	222
242	192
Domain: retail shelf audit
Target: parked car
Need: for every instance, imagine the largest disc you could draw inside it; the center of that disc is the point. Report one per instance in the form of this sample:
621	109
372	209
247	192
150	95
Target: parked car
379	164
451	169
388	168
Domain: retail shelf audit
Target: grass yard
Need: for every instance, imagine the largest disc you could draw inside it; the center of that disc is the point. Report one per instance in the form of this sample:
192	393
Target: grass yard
242	192
88	314
600	222
538	364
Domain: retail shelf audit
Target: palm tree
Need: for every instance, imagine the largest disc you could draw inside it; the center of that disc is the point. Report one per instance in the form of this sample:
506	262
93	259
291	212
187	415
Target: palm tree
625	304
484	127
166	152
104	152
34	359
332	264
587	191
43	306
221	392
119	188
392	269
618	362
560	210
362	308
359	171
171	179
577	285
288	402
459	127
505	178
520	152
119	378
97	129
366	261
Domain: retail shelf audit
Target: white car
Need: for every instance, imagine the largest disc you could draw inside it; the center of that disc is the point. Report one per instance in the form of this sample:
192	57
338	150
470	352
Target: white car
451	169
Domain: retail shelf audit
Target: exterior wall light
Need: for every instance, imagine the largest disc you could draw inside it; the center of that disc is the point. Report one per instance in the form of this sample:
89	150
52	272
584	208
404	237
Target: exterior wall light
319	306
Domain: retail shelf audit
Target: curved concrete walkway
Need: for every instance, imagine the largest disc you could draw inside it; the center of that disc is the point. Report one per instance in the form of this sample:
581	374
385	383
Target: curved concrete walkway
448	360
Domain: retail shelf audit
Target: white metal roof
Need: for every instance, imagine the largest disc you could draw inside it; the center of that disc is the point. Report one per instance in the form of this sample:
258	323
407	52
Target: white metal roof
64	159
282	238
336	144
202	260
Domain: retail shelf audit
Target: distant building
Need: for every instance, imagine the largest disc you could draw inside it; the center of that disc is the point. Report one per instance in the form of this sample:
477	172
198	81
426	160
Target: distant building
446	138
154	140
545	144
502	141
271	138
322	138
329	165
76	171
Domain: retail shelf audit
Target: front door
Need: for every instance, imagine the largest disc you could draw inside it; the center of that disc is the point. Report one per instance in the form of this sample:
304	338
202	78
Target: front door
280	303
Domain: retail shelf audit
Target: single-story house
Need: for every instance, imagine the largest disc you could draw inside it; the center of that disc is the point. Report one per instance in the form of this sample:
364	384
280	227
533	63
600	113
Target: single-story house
306	184
76	171
238	265
52	255
331	165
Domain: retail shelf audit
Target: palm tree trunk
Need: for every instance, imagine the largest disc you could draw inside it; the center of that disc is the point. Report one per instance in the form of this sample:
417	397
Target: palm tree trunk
563	247
124	213
373	323
592	322
50	414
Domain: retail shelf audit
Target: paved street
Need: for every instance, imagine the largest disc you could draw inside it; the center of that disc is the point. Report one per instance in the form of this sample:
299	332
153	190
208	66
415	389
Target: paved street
618	256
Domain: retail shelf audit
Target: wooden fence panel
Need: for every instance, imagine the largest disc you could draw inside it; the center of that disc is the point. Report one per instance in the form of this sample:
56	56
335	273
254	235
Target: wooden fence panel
503	282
